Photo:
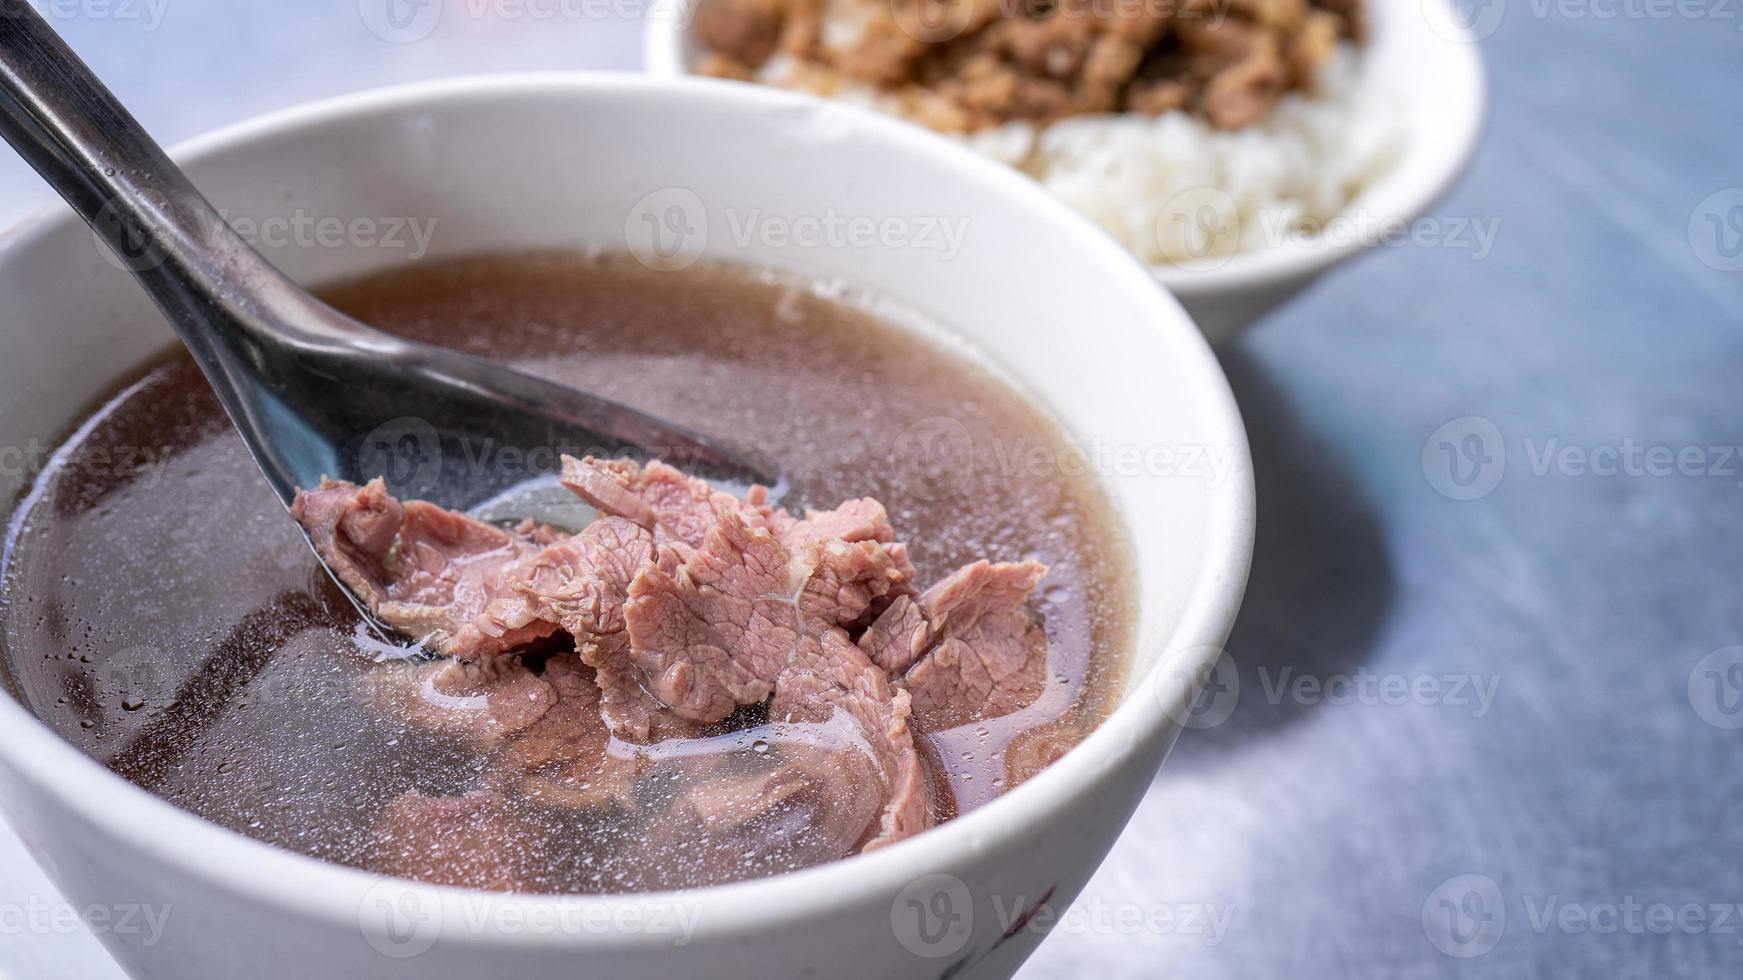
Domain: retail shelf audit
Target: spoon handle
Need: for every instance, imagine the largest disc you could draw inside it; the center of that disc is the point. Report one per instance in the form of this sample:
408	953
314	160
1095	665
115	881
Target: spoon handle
236	313
216	291
305	385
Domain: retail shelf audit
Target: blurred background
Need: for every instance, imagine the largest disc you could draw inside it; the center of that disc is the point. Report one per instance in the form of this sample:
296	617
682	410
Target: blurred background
1483	711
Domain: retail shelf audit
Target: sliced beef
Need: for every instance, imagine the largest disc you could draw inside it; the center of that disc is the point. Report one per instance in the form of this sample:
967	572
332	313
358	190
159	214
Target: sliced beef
690	612
732	803
898	637
809	793
673	506
1034	749
484	703
714	627
711	627
834	676
421	569
581	583
742	617
565	759
967	648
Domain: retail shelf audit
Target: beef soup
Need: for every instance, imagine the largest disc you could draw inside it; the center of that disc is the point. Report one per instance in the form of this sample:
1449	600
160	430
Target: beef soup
695	688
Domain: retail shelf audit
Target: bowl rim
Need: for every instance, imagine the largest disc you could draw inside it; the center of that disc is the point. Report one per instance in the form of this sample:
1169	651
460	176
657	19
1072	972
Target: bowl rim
1421	179
326	892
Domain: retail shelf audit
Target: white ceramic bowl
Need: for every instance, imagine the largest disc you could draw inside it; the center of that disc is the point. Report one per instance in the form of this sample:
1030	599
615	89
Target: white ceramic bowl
575	160
1420	51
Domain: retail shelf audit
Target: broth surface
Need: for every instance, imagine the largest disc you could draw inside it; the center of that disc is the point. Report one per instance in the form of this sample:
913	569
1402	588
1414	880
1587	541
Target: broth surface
163	614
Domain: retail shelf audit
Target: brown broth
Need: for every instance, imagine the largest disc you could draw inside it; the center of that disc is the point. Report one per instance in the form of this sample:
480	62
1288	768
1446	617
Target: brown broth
161	612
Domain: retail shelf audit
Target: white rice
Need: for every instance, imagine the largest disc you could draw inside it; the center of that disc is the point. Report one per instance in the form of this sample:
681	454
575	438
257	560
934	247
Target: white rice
1175	190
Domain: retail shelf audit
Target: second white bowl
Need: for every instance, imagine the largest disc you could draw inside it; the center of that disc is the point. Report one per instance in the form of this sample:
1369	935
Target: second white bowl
1426	59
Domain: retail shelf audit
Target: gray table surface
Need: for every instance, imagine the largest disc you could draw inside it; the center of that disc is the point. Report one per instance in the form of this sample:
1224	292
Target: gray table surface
1495	736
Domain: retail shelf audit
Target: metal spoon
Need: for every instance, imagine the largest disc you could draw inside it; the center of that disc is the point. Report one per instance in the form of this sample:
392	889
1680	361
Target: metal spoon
313	392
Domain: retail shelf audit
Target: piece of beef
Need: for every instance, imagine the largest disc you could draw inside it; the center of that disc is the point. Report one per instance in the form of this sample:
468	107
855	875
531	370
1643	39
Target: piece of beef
564	759
808	792
688	608
833	675
485	703
1034	749
898	637
713	627
735	802
740	617
967	648
581	583
849	586
656	496
541	731
419	568
893	36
